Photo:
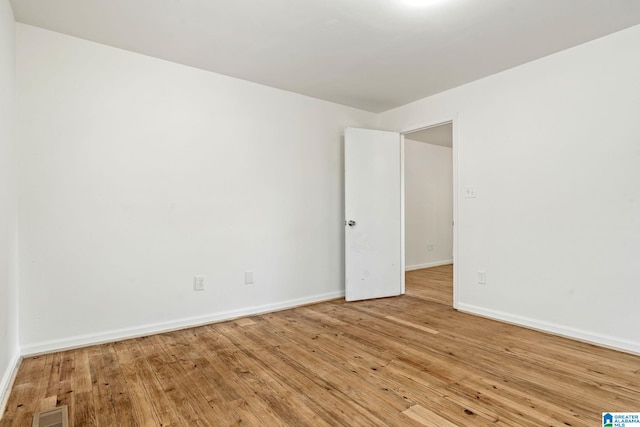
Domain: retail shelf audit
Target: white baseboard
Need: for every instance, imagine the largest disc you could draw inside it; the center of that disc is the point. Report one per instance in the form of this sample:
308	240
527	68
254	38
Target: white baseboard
568	332
427	265
7	380
154	328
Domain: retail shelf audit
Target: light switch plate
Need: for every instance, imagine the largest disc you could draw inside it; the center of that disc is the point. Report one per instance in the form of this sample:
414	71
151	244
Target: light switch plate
470	192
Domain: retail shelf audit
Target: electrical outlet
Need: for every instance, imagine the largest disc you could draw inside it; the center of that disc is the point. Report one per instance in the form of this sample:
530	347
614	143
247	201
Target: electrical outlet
430	247
199	283
248	277
482	277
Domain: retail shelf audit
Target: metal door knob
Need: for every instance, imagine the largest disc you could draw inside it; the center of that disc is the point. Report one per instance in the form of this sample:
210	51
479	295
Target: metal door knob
351	223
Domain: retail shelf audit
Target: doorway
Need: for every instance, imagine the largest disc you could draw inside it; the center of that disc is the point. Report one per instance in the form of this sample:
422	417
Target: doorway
362	249
429	211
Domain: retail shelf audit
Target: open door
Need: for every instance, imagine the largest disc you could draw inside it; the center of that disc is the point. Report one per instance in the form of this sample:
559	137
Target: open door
374	218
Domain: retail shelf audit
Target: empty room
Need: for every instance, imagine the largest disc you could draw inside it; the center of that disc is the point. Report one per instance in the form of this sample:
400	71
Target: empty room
319	213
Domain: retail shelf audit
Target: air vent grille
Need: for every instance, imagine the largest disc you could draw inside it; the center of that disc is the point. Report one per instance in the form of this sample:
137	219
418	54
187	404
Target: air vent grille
56	417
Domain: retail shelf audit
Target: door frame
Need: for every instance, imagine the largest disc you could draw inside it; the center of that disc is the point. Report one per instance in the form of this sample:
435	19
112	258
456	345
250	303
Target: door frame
454	120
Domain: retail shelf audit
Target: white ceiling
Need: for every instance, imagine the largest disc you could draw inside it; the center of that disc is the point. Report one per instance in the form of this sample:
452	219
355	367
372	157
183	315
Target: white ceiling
370	54
436	135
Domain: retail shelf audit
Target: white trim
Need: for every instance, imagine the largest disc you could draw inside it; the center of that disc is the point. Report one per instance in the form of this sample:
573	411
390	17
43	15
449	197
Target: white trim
429	124
155	328
427	265
456	171
8	379
402	218
565	331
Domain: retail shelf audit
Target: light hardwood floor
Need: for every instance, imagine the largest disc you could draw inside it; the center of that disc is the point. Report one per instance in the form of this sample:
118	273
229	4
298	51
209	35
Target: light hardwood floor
432	284
406	361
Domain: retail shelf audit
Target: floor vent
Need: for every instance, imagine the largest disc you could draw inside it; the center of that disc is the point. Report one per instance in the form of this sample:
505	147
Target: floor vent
56	417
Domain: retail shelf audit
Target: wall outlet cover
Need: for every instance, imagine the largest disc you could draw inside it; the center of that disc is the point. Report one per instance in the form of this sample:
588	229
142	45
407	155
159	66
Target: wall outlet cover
248	277
482	277
200	283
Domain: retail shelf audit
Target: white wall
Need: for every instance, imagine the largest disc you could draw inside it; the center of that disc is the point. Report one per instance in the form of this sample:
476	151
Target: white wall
428	205
137	174
9	349
553	148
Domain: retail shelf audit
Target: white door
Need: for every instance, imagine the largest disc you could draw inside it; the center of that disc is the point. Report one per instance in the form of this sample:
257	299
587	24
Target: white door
374	219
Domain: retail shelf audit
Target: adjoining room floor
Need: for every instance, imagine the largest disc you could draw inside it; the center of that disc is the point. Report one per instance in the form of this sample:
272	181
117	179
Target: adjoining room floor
404	361
433	284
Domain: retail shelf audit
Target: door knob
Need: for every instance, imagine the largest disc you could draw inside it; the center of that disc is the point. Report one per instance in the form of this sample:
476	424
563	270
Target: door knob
351	223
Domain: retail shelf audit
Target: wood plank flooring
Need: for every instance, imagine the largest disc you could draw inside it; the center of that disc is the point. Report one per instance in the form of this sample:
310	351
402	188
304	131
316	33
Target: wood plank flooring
406	361
432	284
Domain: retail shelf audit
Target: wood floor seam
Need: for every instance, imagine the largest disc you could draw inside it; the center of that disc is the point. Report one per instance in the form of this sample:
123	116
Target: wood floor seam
406	361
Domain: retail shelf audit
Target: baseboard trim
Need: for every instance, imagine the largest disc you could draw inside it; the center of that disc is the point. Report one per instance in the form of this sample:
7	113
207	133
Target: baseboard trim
427	265
564	331
7	381
155	328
